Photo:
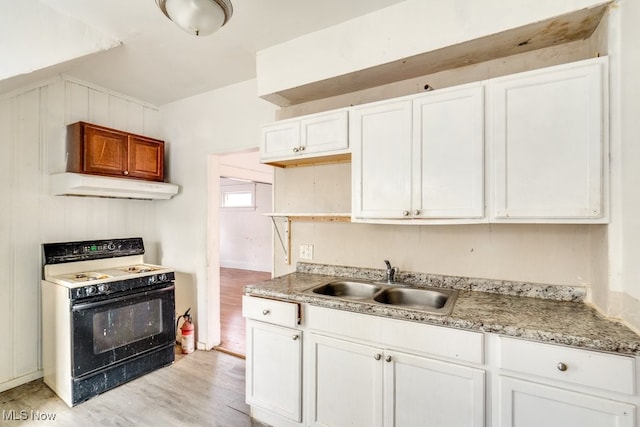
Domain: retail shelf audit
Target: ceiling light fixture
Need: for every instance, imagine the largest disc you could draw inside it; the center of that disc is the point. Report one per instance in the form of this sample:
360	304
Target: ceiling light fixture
197	17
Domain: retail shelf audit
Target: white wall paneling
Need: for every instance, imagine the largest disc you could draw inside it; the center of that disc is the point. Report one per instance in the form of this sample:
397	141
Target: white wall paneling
32	146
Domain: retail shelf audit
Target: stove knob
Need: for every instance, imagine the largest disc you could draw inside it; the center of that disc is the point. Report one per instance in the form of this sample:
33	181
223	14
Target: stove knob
103	288
90	290
162	277
111	246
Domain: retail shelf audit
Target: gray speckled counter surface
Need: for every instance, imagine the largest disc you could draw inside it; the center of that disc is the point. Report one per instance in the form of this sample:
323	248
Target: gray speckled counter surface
538	312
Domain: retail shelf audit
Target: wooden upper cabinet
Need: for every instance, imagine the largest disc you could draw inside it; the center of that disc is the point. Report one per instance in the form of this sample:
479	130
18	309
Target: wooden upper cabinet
146	158
98	150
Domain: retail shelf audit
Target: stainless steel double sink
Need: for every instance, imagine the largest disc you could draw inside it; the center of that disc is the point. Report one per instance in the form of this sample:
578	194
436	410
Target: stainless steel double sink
427	299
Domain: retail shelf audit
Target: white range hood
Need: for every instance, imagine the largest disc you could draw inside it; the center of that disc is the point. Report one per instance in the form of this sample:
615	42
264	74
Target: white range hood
75	184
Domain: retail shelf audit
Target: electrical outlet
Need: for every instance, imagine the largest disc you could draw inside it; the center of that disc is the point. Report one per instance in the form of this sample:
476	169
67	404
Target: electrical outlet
306	252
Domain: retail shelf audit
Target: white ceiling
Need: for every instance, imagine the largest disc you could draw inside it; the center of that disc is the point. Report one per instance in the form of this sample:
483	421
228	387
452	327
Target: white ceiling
130	47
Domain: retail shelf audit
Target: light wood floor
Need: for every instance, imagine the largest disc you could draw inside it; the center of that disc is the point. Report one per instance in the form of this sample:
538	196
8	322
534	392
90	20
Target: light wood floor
204	388
232	323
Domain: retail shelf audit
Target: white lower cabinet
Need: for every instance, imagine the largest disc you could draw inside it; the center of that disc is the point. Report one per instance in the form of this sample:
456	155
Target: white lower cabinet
273	361
555	386
345	383
427	392
355	370
528	404
350	382
274	383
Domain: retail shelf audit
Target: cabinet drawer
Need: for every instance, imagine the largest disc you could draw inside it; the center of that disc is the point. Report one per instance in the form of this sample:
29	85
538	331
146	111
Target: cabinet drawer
433	340
402	335
581	367
271	311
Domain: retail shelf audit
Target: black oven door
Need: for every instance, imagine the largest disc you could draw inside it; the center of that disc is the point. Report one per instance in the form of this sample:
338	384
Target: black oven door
106	332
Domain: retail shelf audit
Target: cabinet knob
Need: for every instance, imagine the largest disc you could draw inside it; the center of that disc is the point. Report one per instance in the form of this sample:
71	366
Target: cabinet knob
302	148
266	312
377	356
562	366
296	149
416	212
387	358
405	213
126	172
295	337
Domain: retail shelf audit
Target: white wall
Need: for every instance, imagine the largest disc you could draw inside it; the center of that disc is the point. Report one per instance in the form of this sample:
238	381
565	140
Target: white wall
220	121
557	254
245	233
32	146
625	110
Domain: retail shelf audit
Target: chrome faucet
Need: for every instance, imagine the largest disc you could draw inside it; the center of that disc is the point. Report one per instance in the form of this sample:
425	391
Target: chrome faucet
391	272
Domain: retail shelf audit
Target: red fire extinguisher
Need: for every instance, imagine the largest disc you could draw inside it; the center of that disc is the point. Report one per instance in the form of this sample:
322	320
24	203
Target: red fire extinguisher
187	332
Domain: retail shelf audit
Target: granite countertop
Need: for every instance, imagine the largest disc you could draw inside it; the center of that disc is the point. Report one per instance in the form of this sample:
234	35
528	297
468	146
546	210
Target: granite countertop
546	313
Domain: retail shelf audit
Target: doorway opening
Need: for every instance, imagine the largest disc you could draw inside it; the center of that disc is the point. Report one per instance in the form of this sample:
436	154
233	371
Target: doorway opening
240	239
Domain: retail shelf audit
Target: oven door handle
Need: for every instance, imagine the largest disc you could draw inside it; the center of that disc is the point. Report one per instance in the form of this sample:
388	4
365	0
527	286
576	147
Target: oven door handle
88	305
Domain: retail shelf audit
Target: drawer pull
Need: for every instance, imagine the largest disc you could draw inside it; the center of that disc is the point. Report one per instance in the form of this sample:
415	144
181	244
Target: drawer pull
295	337
266	312
562	366
377	356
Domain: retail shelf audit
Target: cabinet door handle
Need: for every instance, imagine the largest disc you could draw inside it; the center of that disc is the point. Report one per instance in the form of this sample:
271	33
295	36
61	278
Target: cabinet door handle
302	148
296	149
387	358
126	172
377	356
295	337
416	212
266	312
562	366
405	213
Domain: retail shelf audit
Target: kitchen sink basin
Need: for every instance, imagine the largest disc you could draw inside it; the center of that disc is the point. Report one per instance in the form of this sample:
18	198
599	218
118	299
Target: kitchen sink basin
347	289
419	298
431	300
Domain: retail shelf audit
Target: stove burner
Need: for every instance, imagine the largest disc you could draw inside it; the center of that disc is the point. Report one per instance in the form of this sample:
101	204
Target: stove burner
138	269
88	277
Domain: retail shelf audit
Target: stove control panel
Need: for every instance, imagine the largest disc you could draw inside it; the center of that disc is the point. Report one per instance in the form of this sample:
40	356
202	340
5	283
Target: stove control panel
110	288
57	253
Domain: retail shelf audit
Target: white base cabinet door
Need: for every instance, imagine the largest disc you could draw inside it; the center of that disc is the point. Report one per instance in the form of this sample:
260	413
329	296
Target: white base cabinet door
528	404
352	384
424	392
344	383
274	369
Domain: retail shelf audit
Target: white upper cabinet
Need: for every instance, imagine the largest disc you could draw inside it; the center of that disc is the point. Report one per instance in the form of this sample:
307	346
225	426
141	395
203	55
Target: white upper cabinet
317	136
448	153
549	144
381	174
420	158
